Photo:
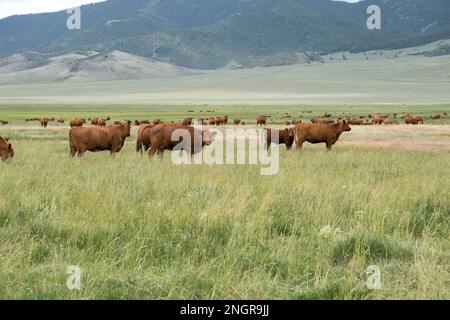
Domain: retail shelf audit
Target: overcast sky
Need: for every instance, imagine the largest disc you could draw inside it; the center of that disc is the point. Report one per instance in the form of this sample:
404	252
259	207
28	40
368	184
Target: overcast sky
11	7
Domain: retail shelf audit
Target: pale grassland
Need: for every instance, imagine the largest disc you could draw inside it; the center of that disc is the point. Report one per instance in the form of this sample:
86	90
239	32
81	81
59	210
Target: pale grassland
145	230
407	79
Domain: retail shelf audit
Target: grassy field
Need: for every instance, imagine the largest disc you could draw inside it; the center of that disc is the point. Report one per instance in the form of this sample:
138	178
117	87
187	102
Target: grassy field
408	79
18	113
147	230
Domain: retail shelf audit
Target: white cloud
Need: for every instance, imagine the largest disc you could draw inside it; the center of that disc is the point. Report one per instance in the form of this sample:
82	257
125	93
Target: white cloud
12	7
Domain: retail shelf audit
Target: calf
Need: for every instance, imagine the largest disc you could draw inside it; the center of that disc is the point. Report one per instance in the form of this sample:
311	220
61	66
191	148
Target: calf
285	137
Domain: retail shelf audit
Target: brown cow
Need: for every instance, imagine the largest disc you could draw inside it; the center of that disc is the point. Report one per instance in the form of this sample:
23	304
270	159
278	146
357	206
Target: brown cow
102	122
285	137
94	121
4	122
109	138
225	119
413	120
435	116
320	133
157	121
60	121
187	122
76	122
143	138
201	122
378	120
295	121
6	149
261	120
44	122
161	139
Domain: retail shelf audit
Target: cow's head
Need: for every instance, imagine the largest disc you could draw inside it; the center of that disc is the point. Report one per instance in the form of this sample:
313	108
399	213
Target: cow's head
208	137
290	132
345	126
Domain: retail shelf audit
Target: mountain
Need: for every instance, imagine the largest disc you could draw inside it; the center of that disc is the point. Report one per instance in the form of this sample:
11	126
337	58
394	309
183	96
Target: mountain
32	66
215	33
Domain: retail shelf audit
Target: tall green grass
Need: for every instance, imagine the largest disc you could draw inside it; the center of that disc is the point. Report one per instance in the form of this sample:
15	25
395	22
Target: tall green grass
147	230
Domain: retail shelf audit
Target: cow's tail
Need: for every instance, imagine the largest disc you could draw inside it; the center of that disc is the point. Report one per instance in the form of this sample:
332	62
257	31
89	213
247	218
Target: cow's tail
139	142
73	146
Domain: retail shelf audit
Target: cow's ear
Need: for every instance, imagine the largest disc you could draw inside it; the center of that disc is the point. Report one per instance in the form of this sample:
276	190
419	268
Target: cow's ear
6	139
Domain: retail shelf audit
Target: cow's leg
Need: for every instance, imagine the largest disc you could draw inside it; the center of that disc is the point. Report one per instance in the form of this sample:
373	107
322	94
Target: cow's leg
160	153
73	151
329	145
152	152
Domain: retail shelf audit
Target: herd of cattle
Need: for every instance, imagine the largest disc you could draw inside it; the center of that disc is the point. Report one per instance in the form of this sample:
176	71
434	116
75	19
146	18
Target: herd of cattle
155	136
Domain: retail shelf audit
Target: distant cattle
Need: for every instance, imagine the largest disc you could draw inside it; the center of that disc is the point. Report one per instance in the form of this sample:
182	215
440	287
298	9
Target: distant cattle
378	120
44	122
295	121
143	141
94	121
261	120
320	133
4	122
321	121
391	122
225	120
60	121
409	119
435	116
356	122
187	122
157	121
162	138
102	122
285	137
94	139
6	149
237	122
76	122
